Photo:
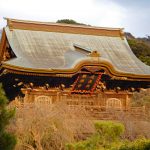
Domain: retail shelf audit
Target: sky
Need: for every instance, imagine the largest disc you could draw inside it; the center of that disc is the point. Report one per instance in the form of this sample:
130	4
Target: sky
132	15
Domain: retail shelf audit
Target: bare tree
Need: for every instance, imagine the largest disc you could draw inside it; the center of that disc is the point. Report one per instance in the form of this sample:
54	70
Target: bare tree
50	127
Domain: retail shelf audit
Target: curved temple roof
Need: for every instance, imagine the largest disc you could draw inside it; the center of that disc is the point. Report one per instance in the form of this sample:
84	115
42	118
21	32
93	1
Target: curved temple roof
42	47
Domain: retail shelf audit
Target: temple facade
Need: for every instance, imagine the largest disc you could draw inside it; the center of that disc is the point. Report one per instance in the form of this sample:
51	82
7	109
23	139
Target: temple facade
80	65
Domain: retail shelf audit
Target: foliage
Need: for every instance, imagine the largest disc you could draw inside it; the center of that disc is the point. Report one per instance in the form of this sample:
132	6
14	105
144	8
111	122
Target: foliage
69	21
139	144
107	136
109	131
7	140
140	49
145	59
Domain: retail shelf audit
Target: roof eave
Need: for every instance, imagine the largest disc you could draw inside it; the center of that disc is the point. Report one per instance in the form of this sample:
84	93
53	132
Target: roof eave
75	69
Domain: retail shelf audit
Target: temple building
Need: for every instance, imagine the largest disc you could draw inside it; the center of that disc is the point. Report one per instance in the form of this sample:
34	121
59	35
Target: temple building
82	65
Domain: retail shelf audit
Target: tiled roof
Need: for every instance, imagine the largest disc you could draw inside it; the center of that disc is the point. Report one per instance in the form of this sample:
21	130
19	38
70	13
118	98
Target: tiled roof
49	50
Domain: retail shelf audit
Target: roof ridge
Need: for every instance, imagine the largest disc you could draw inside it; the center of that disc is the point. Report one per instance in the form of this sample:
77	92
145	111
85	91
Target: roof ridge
60	24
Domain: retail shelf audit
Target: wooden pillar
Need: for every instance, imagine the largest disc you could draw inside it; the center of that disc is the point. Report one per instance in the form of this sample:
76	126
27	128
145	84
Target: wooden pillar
128	100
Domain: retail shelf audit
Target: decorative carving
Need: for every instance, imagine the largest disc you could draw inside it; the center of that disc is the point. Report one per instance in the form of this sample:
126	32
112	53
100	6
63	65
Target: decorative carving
42	99
114	103
119	78
94	54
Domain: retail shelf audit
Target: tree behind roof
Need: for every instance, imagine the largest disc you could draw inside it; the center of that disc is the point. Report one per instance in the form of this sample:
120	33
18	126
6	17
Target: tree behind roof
69	21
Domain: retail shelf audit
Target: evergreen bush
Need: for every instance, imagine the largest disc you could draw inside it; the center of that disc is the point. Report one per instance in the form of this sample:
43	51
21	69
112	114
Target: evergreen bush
7	140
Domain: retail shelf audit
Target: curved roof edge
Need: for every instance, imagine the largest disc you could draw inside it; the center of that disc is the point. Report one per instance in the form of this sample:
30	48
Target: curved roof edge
75	69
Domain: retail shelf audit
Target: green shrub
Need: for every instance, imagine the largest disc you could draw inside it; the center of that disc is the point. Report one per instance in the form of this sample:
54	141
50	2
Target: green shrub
139	144
109	131
7	140
106	137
